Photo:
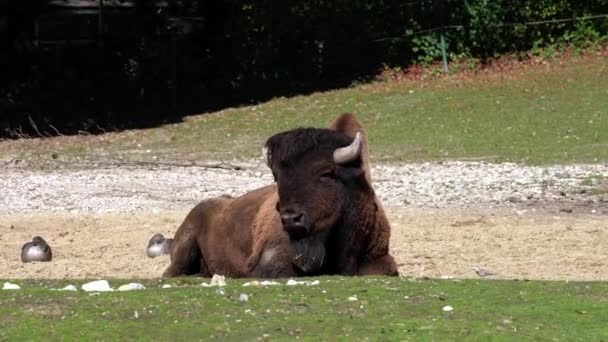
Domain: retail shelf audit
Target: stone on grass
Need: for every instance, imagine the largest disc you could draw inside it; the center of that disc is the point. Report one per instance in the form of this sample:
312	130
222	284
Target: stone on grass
69	288
97	286
10	286
218	280
269	283
131	287
292	282
261	283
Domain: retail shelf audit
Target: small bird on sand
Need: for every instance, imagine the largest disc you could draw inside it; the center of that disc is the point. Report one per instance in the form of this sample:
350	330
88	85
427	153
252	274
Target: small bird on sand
482	272
158	245
36	250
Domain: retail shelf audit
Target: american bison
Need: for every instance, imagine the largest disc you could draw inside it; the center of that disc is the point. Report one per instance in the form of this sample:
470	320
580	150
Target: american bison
320	217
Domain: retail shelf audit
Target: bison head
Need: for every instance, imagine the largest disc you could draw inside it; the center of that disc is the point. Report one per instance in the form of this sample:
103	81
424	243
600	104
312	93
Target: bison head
318	172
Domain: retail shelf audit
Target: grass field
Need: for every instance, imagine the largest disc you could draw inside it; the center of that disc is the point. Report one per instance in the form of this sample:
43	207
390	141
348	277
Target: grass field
547	113
385	309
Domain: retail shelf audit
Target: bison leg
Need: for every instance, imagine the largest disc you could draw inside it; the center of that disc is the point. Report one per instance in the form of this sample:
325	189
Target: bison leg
186	254
273	262
185	257
382	266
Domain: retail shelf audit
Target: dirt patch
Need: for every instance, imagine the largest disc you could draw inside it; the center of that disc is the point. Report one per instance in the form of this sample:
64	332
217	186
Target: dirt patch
86	246
513	244
433	243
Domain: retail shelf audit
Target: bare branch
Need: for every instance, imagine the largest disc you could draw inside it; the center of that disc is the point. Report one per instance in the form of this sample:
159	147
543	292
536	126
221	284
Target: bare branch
34	126
56	130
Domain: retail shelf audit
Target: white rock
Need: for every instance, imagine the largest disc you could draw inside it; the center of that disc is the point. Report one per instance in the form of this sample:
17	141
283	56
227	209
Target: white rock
97	286
69	288
218	280
352	299
131	287
292	282
244	297
10	286
261	283
269	283
166	286
447	308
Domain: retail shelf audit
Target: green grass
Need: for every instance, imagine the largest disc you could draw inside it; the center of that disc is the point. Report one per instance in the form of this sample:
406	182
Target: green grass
542	114
386	309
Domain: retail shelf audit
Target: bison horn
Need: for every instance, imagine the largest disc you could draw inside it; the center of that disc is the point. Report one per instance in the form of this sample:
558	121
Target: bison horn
347	154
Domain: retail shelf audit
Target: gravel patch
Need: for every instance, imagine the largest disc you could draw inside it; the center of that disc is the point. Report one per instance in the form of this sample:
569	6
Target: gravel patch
421	185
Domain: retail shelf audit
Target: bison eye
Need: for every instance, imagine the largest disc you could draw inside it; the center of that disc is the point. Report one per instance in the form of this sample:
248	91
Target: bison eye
327	174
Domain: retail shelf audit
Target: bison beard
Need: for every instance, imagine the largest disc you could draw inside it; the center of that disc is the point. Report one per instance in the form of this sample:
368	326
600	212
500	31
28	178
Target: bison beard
309	254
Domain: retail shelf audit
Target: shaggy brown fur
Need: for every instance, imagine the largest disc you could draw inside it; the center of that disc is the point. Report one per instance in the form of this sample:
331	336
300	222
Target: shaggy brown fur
319	218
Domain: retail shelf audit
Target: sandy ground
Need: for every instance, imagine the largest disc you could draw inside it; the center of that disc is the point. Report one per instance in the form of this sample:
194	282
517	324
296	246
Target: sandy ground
522	244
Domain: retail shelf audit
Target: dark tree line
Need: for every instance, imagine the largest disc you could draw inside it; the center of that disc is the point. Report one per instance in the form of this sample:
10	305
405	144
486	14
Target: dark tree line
157	61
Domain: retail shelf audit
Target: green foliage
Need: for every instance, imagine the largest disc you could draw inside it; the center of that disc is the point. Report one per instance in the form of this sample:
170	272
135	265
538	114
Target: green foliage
584	35
485	33
427	48
487	28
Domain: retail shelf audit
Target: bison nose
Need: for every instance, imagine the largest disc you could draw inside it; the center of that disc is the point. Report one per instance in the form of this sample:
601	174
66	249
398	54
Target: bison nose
295	222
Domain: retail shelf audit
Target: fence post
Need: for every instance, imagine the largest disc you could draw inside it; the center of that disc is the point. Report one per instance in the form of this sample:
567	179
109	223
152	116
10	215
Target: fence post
444	54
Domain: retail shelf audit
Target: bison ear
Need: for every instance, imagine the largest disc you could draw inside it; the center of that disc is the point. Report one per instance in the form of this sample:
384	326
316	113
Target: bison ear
347	124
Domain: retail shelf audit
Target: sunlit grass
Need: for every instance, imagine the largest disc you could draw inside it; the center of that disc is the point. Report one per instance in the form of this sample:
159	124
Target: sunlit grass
546	114
384	309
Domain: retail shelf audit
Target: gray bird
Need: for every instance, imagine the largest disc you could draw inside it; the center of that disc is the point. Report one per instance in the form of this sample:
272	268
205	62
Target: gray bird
158	245
36	250
482	272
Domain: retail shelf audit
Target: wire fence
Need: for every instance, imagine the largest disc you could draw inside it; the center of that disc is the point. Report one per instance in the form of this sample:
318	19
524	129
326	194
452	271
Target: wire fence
443	29
529	23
